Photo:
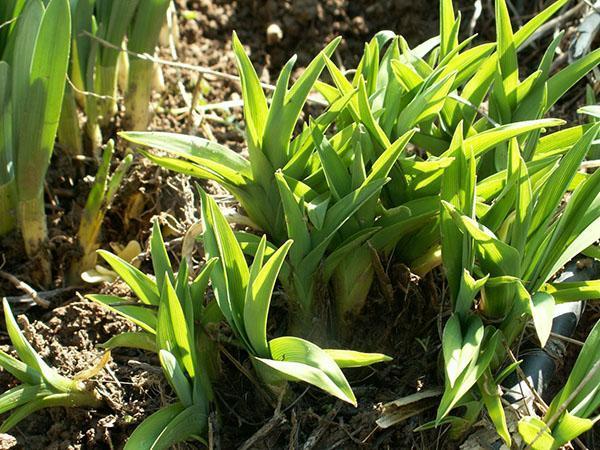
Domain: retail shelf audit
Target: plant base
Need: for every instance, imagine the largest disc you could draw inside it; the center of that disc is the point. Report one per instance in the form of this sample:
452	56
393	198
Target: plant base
32	223
8	199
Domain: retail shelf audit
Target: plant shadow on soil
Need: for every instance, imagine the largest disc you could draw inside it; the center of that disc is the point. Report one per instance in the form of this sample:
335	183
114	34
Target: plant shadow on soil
407	328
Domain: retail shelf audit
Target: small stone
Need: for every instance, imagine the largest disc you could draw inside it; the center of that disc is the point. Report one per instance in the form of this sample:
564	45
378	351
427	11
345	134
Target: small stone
274	34
359	26
7	441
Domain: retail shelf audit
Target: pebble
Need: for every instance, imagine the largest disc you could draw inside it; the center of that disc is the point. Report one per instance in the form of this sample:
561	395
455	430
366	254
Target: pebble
274	34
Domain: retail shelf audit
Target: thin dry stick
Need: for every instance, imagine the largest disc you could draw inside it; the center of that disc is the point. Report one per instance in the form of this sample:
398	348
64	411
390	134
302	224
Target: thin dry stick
551	24
478	9
277	419
325	422
195	96
543	405
25	288
91	94
8	22
592	164
594	6
293	441
247	374
44	295
213	436
566	339
562	408
466	102
384	281
516	12
192	67
561	337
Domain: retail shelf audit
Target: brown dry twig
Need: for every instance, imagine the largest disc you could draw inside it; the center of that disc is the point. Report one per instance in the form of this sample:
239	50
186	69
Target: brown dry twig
552	24
192	67
25	288
324	424
542	404
277	419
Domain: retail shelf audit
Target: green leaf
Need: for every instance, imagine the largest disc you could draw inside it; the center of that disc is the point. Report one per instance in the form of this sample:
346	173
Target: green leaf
523	200
426	104
570	427
366	117
160	258
40	95
335	218
460	351
229	179
19	370
559	141
491	397
507	52
342	251
552	193
183	344
493	251
70	400
384	163
482	142
350	358
298	359
285	110
560	83
573	291
495	256
114	19
447	39
132	339
256	308
230	275
542	311
6	135
142	285
195	149
590	110
142	316
297	228
302	146
167	426
465	64
422	212
199	285
316	210
255	102
30	357
191	422
581	399
576	229
406	75
20	395
475	90
457	188
536	433
469	288
176	377
336	173
469	377
341	211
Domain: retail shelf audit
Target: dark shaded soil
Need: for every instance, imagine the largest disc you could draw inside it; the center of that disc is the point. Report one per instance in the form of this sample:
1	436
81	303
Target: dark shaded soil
132	385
